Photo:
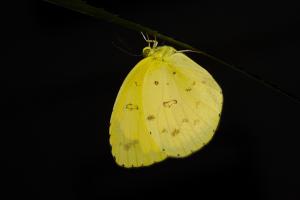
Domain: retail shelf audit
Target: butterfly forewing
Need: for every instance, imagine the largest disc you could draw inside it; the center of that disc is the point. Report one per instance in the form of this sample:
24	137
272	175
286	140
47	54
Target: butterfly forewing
132	146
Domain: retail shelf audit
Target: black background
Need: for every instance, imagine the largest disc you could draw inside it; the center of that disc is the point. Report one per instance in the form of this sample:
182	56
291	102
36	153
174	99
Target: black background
61	74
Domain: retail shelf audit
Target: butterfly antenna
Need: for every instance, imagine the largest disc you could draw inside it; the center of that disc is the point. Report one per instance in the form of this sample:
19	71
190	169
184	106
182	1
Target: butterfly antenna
147	39
251	76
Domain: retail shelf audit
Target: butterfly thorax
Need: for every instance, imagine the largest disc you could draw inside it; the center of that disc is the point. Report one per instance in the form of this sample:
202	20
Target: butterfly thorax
160	52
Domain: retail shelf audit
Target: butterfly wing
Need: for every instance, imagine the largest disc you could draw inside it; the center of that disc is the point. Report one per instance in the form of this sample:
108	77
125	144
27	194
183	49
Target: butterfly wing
132	145
182	104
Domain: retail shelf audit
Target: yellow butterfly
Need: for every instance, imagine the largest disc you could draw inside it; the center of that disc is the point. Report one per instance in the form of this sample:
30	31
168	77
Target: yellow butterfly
168	106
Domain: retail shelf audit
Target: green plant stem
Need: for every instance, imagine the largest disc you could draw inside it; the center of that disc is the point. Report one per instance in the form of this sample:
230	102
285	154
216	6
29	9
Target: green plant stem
99	13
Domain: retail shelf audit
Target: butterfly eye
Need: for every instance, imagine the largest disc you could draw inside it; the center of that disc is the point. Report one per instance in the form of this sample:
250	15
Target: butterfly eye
146	51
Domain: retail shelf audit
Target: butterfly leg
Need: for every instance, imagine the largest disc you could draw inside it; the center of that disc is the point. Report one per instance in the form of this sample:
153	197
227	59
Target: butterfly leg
146	38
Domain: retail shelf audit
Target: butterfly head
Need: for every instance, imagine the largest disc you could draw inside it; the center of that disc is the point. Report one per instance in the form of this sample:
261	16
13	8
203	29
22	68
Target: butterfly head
147	51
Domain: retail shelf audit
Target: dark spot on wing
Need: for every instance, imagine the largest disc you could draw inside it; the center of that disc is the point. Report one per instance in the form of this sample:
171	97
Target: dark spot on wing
128	145
175	132
168	104
185	120
150	117
188	89
131	107
164	130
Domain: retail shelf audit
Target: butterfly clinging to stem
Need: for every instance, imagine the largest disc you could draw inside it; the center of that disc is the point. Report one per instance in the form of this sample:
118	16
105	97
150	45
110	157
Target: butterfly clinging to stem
168	106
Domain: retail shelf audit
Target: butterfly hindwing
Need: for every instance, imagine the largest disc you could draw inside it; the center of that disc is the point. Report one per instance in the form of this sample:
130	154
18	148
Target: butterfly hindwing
185	102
